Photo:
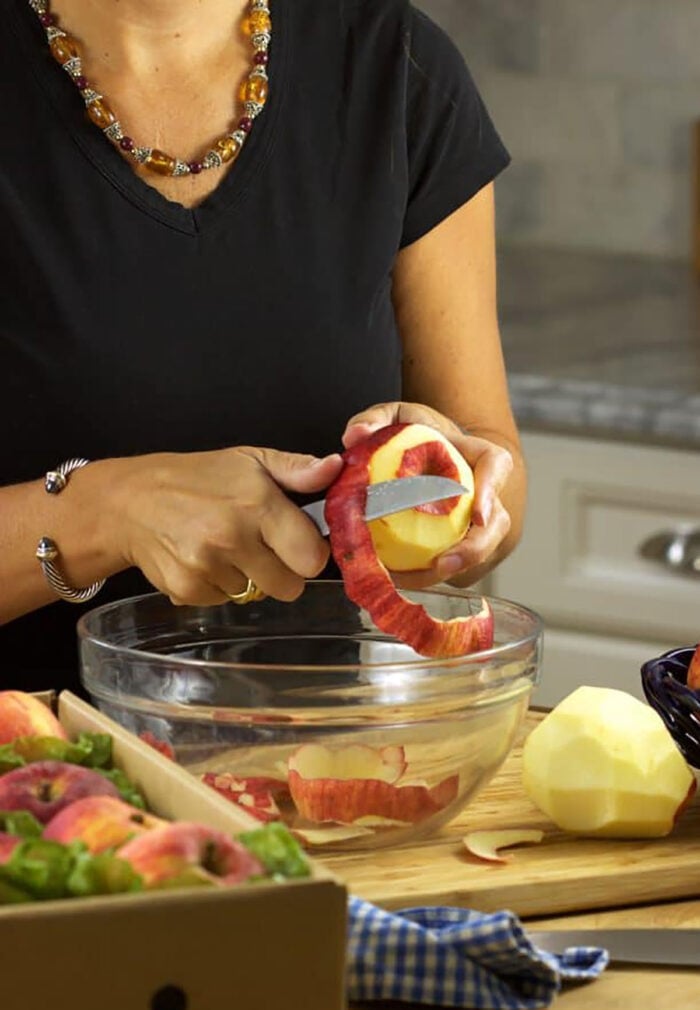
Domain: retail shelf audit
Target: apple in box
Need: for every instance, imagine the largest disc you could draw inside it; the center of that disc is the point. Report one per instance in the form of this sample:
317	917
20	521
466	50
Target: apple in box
406	541
46	787
101	822
23	715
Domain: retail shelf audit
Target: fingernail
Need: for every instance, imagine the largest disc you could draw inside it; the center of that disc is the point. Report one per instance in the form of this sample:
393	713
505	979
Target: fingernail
450	565
324	459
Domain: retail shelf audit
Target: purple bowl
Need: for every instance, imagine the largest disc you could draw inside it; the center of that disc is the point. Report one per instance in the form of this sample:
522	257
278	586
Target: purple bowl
664	682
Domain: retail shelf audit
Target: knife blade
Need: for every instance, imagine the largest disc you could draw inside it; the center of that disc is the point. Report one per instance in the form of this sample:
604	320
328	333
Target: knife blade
389	496
632	946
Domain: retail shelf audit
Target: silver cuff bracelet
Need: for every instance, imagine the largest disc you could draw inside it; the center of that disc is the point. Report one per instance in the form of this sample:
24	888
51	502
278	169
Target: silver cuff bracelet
47	552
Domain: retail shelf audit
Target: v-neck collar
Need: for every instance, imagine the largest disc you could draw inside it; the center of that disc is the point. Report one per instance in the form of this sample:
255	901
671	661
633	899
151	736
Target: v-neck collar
67	102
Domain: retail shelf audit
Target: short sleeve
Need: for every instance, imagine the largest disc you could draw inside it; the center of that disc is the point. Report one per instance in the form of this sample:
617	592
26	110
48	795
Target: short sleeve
454	149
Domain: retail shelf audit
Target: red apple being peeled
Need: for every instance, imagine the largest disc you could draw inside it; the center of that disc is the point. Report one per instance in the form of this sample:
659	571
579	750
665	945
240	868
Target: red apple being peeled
45	787
101	822
408	540
185	853
693	680
22	714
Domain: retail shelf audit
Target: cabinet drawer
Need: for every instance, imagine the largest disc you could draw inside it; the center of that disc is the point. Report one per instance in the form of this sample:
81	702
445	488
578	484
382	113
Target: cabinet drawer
571	659
592	505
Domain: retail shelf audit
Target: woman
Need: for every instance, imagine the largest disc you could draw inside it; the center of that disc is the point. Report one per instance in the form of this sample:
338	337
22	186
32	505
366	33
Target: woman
190	272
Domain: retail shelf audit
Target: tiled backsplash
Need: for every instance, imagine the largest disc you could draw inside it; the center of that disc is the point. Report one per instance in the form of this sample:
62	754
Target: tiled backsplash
595	100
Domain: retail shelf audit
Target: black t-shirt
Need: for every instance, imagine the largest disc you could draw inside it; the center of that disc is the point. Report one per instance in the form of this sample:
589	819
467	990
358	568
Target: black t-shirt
129	324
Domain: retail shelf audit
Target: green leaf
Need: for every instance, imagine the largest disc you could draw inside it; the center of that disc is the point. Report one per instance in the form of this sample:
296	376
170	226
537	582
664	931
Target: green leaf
94	750
129	792
39	867
278	851
9	758
10	895
104	873
20	823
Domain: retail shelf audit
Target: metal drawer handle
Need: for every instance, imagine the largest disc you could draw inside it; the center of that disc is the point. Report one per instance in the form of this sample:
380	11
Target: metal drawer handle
676	550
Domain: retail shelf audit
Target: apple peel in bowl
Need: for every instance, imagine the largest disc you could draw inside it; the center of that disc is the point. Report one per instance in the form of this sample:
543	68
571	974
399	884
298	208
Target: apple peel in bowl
361	556
358	786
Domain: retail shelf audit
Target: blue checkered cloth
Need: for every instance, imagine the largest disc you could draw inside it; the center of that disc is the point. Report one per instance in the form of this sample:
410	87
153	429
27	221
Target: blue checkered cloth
454	957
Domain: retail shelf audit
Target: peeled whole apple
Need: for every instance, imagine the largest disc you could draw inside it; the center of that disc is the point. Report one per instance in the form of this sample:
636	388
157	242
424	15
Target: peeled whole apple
408	540
603	764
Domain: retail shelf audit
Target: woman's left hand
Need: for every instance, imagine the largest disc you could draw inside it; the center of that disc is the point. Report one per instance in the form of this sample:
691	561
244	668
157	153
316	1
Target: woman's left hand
492	466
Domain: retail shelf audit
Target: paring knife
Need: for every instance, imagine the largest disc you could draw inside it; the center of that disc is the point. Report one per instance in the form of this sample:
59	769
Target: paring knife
633	946
391	496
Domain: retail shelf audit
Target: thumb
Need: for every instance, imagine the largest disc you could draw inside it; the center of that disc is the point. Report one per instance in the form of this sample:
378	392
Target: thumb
299	472
362	425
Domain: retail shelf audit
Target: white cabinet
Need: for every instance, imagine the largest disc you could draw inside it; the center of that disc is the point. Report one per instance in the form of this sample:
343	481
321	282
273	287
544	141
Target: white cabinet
593	505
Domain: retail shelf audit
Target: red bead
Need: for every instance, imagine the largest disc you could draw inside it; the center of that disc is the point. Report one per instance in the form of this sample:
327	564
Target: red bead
81	82
260	58
47	20
245	124
126	144
195	167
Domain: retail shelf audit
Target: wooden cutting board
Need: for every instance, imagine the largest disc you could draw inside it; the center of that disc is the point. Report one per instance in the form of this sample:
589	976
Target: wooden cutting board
561	874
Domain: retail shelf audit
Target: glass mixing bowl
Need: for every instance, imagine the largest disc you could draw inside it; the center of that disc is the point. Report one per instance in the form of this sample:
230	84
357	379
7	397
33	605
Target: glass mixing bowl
400	743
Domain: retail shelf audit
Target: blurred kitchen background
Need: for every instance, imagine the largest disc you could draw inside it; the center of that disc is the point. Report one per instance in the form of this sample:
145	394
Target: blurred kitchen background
598	101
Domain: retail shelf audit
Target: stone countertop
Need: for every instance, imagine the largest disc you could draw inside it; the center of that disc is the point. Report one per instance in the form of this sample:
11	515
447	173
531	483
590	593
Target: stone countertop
602	345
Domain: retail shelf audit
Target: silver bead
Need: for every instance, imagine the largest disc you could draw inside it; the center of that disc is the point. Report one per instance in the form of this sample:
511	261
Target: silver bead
73	66
212	159
54	482
46	550
114	131
181	168
141	154
90	96
261	40
252	109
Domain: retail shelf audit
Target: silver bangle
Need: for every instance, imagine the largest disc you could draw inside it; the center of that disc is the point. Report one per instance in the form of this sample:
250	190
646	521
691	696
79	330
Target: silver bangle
47	552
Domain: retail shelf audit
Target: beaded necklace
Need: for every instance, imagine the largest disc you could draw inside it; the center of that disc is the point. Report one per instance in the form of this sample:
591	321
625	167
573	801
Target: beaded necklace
257	25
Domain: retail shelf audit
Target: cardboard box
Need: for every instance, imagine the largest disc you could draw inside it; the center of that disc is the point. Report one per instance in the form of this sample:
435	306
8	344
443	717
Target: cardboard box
251	947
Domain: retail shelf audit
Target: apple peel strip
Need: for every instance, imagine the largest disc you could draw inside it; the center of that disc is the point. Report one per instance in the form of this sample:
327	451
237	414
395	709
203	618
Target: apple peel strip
368	582
486	845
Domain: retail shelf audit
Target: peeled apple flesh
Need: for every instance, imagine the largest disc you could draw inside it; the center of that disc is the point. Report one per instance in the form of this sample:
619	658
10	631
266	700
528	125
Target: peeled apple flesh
603	764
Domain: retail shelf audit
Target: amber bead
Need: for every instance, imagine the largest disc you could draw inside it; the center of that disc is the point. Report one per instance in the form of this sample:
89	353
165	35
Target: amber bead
228	148
254	90
258	21
64	48
160	162
101	114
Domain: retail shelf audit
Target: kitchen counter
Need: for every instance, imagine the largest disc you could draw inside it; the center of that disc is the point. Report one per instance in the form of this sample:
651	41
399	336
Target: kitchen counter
601	345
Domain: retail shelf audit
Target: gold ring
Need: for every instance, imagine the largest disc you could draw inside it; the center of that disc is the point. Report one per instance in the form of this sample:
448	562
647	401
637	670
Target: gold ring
248	595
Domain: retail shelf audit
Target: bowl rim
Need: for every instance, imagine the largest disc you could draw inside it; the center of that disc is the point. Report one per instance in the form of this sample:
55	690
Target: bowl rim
423	663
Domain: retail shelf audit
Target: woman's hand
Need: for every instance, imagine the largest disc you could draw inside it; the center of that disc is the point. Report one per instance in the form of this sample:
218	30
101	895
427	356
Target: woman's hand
198	525
492	466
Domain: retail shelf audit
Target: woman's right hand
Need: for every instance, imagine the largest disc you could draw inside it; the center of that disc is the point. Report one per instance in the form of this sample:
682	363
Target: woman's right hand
199	525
